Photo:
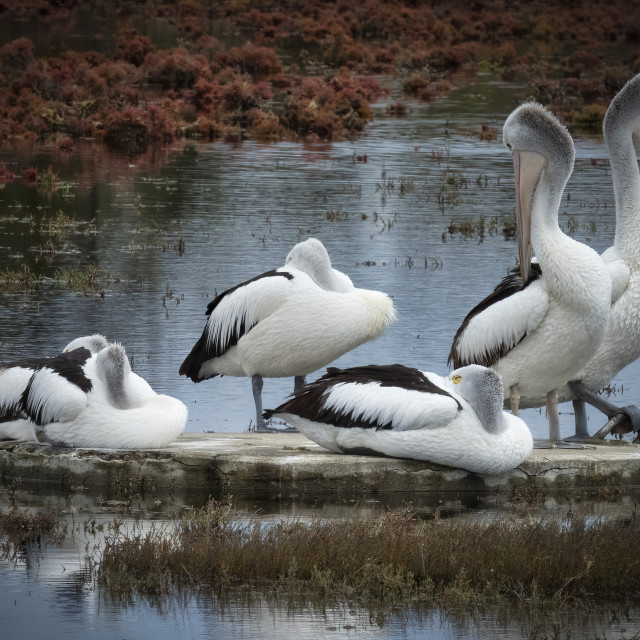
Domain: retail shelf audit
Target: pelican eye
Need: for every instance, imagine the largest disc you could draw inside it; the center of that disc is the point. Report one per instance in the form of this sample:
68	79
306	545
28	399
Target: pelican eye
456	379
509	146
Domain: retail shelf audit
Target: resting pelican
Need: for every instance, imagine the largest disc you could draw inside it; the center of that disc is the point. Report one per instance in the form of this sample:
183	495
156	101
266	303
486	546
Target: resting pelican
541	335
14	379
287	322
86	399
396	411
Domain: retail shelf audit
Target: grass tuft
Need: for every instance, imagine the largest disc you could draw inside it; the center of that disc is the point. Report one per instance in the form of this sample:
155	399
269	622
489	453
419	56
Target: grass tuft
394	557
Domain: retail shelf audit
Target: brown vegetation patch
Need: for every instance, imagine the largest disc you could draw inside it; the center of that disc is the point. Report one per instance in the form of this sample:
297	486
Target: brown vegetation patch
140	94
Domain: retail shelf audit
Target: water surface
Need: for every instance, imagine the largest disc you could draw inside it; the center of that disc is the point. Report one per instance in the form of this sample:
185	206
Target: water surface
240	208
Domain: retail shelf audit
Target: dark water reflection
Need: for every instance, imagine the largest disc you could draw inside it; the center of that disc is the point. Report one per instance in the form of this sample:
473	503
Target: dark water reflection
240	208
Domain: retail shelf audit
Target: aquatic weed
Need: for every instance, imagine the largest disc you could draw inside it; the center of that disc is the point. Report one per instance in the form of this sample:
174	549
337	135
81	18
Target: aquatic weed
392	557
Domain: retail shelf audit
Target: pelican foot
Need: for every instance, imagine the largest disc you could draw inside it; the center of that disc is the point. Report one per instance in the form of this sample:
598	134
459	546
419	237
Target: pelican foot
560	444
274	430
263	428
580	438
625	420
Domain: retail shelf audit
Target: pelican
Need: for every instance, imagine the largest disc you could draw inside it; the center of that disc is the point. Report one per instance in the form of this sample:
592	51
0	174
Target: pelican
401	412
287	322
621	343
538	336
14	380
86	399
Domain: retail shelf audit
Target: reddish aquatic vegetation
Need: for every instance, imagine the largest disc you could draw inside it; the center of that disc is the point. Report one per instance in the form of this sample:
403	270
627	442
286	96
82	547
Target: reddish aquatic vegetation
419	86
65	144
5	174
134	127
30	176
205	88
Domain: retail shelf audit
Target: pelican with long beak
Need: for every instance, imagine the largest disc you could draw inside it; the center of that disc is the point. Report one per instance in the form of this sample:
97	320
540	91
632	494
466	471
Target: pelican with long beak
621	343
538	335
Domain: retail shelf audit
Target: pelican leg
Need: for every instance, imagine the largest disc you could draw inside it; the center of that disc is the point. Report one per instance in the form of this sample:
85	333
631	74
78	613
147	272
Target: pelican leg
299	382
256	385
554	428
618	416
553	416
261	426
514	399
582	430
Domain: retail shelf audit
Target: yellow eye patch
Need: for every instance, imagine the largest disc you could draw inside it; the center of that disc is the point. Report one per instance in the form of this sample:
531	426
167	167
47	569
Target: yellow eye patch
457	379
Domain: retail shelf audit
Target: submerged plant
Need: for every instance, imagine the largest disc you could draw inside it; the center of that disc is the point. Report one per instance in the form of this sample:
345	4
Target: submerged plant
452	183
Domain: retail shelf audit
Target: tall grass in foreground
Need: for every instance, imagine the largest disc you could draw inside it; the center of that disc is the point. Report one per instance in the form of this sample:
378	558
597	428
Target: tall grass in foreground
391	557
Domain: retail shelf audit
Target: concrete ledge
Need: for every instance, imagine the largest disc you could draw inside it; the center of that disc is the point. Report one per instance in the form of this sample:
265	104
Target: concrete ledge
263	464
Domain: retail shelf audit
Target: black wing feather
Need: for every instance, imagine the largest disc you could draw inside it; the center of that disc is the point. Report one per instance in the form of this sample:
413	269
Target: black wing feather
202	351
68	365
508	286
309	402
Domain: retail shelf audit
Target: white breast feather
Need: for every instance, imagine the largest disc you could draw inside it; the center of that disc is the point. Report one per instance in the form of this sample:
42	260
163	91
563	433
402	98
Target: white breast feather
403	408
619	272
504	323
342	282
250	303
59	399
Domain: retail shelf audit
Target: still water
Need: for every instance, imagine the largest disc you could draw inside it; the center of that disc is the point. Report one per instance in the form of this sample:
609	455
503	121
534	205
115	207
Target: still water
238	210
47	589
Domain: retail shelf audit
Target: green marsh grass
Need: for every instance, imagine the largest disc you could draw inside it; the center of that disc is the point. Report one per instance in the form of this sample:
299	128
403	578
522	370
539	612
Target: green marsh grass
18	281
394	557
87	281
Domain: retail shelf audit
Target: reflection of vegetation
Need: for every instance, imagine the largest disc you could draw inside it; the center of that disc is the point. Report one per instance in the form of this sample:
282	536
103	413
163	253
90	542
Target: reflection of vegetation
19	527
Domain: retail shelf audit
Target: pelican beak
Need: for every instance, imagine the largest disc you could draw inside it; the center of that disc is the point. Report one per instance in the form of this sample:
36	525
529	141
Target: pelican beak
527	166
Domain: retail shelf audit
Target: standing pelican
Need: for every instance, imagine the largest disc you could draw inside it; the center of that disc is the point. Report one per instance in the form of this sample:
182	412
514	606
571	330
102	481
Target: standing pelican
286	322
621	343
541	335
405	413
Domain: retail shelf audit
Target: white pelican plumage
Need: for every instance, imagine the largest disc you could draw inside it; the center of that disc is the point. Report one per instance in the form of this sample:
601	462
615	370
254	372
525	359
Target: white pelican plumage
86	399
621	343
14	380
539	336
401	412
287	322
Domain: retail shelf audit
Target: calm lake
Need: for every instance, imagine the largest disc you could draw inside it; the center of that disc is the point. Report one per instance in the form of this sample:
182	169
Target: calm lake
237	210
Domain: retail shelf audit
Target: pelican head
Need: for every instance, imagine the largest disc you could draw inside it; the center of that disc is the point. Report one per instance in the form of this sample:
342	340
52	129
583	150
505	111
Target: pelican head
538	142
483	389
112	367
311	257
94	343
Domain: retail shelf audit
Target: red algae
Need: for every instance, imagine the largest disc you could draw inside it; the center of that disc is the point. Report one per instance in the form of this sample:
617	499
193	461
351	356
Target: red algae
141	94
